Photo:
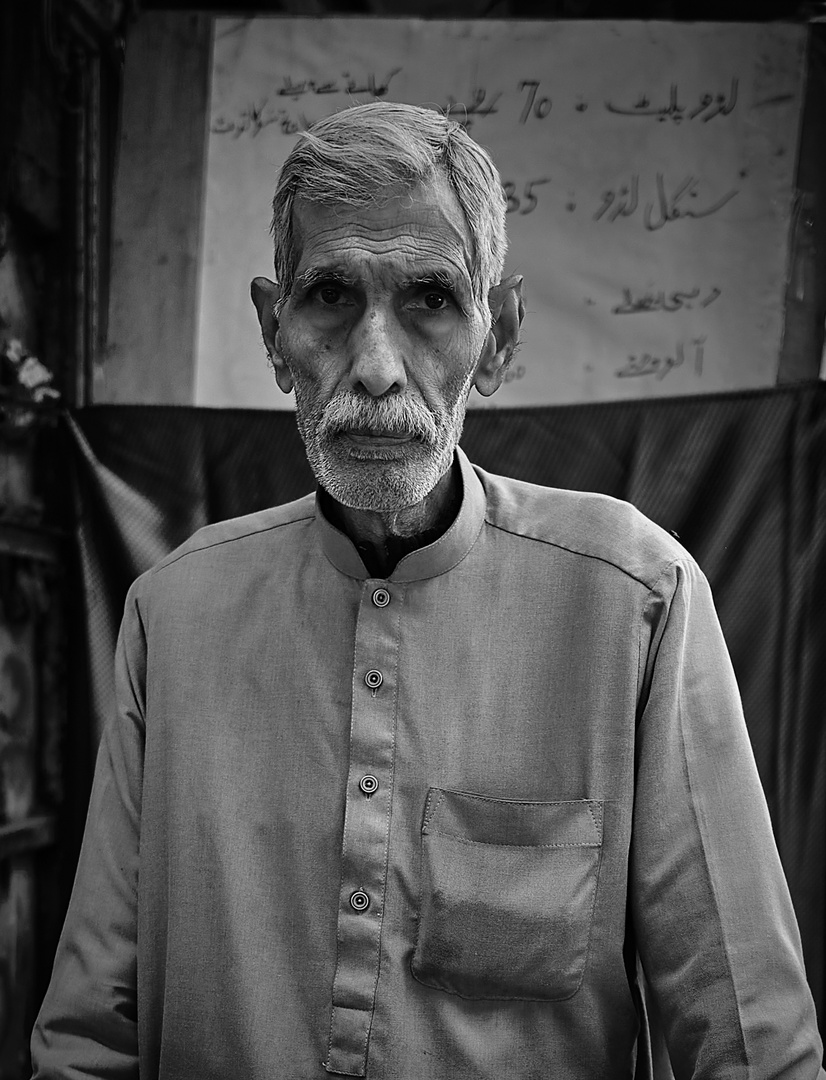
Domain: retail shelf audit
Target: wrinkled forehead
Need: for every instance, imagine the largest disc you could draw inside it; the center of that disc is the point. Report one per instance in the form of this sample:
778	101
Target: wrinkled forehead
426	215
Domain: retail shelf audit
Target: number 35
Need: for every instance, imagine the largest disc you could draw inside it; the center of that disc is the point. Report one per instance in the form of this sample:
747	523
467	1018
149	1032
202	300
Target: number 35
528	201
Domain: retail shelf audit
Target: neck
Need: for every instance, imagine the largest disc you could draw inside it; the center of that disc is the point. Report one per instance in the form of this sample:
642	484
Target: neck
384	538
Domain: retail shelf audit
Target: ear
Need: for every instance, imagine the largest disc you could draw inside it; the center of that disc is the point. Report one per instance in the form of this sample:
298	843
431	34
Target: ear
507	310
265	295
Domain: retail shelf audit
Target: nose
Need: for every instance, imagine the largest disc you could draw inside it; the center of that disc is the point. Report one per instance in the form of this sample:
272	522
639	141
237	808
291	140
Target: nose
377	365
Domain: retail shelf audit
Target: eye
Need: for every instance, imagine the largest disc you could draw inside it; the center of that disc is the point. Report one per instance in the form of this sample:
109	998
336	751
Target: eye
432	300
329	295
435	301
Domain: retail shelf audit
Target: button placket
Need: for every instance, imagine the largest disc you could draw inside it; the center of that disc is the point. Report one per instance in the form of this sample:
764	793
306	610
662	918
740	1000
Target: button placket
366	827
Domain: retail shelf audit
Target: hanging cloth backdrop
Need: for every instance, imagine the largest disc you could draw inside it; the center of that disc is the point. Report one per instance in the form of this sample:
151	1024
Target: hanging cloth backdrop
739	478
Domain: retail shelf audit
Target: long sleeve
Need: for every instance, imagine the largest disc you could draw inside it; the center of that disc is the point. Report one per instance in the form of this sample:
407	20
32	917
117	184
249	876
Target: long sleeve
716	931
87	1025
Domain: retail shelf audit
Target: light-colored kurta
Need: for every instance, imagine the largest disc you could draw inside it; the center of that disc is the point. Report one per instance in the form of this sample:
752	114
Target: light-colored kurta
420	828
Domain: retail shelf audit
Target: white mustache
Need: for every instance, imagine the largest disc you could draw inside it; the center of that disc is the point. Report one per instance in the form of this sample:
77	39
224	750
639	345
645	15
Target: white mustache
394	414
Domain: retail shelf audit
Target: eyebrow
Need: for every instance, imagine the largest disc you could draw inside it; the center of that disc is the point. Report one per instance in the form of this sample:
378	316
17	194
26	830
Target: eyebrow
432	277
315	274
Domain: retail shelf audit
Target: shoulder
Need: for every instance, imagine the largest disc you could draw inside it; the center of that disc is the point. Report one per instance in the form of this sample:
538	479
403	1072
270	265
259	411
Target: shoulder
239	538
585	524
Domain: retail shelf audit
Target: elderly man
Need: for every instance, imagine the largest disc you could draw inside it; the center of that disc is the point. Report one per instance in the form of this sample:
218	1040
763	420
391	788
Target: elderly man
433	775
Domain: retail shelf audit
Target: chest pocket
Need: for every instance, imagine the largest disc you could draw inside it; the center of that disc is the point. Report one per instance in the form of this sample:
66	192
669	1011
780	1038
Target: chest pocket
507	895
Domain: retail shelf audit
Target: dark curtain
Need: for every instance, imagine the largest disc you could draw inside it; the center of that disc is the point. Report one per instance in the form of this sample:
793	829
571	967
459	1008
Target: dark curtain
739	478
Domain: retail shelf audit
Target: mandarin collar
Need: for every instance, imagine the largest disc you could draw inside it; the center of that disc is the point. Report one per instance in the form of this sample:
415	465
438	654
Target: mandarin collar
425	562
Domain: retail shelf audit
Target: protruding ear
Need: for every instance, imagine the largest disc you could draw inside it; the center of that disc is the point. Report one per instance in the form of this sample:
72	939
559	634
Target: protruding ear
265	295
507	309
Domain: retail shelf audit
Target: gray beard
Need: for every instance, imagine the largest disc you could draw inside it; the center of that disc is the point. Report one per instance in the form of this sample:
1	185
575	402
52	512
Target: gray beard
384	479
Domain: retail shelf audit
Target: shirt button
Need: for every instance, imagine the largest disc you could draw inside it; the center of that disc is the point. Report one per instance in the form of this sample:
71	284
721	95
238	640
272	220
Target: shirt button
373	679
381	597
359	901
369	784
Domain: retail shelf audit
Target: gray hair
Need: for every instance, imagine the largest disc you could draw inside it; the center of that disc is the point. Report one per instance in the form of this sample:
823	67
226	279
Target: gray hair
353	156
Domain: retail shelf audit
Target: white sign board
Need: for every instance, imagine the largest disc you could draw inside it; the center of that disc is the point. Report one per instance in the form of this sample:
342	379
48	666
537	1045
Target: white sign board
649	169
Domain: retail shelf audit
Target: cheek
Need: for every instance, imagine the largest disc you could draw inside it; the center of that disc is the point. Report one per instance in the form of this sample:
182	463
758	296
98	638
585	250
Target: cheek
450	361
314	357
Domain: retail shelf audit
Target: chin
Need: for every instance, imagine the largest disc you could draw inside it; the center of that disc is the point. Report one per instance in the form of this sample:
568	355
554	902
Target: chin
379	483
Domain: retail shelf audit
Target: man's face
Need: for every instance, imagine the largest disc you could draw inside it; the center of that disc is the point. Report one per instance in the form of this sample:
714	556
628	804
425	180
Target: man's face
382	338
